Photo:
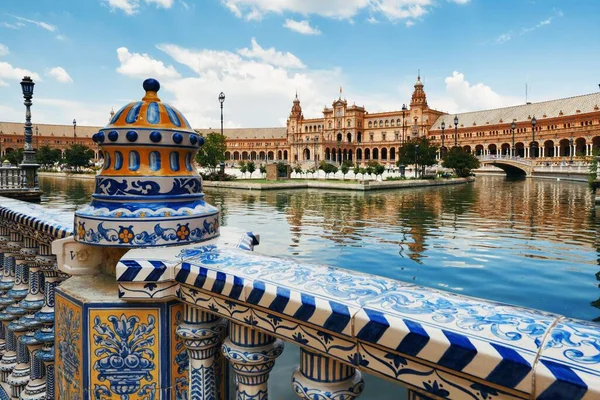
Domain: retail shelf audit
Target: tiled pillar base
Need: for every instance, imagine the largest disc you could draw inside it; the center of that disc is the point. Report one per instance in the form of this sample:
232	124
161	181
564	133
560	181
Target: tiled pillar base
94	329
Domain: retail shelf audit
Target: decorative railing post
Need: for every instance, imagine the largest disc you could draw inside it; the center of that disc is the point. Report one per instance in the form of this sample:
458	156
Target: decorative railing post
202	334
324	378
252	355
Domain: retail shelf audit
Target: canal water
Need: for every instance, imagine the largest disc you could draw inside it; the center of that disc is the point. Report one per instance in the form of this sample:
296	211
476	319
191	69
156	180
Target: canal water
528	242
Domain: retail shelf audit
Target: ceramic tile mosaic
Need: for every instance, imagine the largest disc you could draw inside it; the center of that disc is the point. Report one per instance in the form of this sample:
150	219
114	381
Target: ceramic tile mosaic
569	365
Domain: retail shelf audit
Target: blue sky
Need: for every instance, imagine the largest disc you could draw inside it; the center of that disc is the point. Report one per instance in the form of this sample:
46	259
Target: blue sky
89	56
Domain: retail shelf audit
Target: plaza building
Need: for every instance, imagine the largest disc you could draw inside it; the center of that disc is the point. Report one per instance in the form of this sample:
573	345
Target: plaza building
554	131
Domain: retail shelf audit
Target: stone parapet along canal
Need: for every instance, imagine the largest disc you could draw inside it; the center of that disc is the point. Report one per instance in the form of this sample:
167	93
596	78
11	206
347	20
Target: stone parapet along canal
528	242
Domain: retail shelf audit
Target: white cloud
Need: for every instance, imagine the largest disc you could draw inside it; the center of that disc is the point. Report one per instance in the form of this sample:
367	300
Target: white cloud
16	25
372	20
462	96
272	56
338	9
131	7
60	74
161	3
409	23
9	73
41	24
143	66
505	37
61	111
459	1
3	50
302	27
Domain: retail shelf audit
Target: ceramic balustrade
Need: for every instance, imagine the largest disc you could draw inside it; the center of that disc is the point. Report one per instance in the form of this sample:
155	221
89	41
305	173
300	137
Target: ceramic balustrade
438	344
28	277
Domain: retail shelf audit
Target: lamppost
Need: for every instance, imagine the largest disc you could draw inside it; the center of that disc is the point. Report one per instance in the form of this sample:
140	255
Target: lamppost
533	144
315	149
442	149
416	161
266	154
455	130
74	130
513	126
37	139
28	165
403	124
221	100
571	142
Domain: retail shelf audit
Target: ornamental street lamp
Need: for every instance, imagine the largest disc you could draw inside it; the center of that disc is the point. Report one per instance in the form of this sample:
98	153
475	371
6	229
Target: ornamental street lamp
28	165
533	144
513	126
571	142
221	100
403	125
442	149
416	161
37	139
315	149
74	130
455	129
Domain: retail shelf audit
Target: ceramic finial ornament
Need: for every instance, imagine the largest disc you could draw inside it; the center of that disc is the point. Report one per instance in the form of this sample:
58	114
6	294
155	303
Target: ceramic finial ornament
148	192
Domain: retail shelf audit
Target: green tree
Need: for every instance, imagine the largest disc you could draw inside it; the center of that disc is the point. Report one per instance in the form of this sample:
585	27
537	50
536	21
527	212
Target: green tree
311	171
212	152
417	152
243	168
78	156
46	156
356	171
369	170
379	169
460	161
263	169
15	157
251	167
344	168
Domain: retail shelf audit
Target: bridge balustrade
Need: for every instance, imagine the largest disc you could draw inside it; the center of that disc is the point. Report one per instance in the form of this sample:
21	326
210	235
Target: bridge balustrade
11	178
240	307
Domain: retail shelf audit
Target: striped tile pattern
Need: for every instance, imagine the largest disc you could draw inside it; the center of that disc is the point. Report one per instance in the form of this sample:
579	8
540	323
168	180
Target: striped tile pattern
469	339
321	368
569	366
248	241
56	223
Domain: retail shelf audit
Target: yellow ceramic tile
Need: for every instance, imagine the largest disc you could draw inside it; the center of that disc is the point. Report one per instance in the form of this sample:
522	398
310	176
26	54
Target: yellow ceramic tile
69	360
124	353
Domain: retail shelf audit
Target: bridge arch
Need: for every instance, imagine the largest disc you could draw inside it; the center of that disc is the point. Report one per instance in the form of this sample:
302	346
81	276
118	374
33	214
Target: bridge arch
511	167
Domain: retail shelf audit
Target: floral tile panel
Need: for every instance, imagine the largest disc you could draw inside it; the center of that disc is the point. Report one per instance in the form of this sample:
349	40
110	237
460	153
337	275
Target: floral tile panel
569	366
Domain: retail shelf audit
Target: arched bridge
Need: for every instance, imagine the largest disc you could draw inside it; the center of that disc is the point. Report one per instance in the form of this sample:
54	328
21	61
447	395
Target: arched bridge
513	166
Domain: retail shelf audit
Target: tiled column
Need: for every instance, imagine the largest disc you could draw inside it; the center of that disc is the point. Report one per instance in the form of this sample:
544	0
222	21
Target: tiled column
36	387
47	357
252	356
323	378
202	334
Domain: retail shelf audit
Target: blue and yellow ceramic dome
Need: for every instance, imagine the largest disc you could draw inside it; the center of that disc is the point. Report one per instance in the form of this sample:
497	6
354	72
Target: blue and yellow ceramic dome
148	192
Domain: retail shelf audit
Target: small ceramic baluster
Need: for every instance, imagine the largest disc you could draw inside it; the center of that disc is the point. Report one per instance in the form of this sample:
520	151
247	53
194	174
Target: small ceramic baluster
202	334
252	356
47	357
20	374
321	377
36	387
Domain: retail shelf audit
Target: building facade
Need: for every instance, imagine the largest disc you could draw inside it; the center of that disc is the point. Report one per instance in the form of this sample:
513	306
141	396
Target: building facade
554	131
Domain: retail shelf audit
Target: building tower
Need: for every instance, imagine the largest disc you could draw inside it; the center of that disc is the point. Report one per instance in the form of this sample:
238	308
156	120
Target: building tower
418	109
294	127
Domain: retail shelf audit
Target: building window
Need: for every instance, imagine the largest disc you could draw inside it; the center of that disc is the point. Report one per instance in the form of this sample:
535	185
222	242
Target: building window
329	124
387	123
395	135
349	123
380	123
371	136
370	124
383	136
392	122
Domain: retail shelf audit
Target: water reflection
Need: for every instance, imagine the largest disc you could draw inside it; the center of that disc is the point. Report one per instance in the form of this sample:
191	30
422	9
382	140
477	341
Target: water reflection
529	242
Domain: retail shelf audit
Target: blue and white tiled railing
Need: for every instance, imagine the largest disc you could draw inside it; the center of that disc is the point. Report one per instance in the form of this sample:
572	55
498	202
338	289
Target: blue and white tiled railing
28	276
242	306
439	344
